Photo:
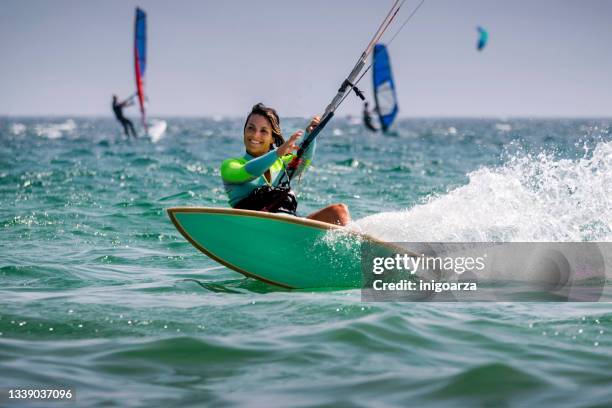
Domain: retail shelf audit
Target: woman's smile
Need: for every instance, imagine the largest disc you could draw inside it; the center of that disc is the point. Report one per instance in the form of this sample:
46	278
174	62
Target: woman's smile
258	135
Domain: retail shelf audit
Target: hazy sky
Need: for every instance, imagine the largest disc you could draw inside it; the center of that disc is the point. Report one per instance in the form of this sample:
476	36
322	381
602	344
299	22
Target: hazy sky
544	58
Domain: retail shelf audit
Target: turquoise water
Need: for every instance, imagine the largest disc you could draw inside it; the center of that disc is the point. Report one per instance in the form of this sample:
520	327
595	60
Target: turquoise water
99	291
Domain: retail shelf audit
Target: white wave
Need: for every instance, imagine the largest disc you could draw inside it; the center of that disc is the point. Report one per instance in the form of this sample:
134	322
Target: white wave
55	130
503	127
529	198
156	129
18	128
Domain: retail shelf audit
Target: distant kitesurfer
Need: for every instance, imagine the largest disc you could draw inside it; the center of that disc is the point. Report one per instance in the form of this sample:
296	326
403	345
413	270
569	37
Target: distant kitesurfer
118	110
250	180
367	118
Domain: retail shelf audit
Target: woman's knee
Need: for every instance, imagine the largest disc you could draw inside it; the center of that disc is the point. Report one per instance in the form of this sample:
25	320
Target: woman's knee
339	208
341	213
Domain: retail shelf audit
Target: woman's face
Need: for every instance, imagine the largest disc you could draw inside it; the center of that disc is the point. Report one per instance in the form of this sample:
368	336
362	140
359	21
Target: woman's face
258	135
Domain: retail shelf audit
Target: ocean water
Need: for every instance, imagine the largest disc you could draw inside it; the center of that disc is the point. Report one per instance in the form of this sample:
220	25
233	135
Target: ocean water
100	293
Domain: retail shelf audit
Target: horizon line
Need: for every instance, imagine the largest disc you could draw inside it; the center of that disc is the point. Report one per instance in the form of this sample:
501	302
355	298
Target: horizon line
345	116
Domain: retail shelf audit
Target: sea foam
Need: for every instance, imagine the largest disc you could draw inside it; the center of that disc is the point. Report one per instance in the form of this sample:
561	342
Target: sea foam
530	197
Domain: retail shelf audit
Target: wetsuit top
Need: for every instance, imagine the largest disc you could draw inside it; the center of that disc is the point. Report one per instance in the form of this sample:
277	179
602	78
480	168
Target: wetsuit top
244	174
118	109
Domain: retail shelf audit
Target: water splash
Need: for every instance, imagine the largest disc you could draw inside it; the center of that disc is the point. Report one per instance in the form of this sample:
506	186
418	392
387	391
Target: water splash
157	129
55	130
17	129
531	197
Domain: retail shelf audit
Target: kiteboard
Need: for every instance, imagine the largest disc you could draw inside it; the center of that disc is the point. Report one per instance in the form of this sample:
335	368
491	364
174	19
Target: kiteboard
282	250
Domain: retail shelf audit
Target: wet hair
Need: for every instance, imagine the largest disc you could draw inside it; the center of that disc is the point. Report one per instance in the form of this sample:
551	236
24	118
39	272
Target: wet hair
272	116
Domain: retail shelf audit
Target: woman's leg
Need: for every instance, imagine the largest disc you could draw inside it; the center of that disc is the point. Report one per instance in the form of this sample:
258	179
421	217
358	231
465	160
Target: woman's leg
332	214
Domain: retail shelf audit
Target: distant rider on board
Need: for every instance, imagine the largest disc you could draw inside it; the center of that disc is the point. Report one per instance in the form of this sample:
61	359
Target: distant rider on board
118	111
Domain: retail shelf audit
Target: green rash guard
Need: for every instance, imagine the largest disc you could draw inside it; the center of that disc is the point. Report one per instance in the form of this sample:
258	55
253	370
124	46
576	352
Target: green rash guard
242	175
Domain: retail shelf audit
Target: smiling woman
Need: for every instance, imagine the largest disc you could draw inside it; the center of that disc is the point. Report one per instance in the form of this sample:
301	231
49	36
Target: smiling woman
252	181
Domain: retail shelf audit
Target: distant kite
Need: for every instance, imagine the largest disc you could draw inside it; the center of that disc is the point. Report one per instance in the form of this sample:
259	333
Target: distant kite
483	37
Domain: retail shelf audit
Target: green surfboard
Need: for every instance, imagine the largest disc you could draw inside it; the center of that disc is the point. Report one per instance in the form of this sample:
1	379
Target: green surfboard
282	250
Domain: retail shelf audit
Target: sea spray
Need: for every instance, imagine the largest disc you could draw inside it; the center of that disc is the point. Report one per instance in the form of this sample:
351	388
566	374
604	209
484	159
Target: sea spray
530	197
55	130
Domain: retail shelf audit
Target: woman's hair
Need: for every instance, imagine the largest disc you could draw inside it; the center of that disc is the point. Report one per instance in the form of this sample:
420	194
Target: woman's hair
272	116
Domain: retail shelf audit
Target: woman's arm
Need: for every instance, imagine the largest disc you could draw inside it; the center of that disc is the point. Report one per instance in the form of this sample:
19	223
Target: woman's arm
240	171
308	154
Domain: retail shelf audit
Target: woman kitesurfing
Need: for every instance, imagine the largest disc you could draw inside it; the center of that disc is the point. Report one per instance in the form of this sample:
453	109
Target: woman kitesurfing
258	183
251	181
261	179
